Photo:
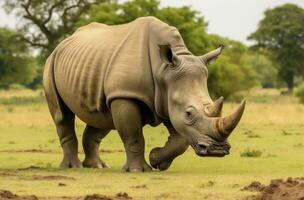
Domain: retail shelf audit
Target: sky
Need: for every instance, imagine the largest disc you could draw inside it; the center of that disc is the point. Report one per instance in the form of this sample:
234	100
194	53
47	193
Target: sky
235	19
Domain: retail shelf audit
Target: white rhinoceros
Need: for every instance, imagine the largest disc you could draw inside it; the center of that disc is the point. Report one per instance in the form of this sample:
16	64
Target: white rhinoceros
126	76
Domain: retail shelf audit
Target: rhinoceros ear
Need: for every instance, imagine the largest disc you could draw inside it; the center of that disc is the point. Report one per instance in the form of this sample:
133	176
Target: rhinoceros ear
168	56
211	56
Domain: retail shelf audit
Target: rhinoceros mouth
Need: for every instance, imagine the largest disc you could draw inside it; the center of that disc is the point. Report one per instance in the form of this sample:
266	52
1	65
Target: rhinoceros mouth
212	149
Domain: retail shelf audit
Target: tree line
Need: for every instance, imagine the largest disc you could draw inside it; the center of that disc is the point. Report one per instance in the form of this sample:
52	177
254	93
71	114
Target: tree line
275	59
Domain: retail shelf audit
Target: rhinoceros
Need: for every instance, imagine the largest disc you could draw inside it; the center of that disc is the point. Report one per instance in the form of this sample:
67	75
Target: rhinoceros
123	77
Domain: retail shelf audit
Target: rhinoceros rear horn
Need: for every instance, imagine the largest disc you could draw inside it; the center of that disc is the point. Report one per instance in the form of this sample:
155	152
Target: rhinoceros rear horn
225	125
215	109
210	57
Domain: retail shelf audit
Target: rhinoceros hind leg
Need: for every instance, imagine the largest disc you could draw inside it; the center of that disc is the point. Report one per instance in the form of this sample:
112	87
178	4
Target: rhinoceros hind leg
91	140
128	122
68	140
63	118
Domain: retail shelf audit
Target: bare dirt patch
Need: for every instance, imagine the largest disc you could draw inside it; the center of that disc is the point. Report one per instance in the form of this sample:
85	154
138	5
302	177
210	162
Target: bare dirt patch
53	151
29	151
278	189
140	186
6	174
7	195
119	196
32	167
38	178
112	151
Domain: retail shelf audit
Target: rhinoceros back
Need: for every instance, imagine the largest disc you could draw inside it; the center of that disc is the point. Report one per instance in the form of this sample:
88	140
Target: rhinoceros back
99	63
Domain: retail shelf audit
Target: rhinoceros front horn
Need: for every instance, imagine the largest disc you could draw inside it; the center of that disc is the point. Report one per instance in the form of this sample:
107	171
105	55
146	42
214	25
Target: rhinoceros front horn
215	109
225	125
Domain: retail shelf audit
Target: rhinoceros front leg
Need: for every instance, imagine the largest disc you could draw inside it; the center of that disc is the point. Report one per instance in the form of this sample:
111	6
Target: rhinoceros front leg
128	122
161	158
90	141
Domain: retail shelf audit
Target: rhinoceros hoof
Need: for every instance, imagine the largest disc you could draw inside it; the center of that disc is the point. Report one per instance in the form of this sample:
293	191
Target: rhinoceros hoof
95	163
141	166
70	163
156	163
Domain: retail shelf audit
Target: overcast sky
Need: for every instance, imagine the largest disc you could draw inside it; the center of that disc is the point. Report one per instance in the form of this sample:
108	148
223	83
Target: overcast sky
235	19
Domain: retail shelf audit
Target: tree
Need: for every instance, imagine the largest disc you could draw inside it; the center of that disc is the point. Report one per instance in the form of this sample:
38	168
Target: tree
281	32
265	69
191	25
47	22
15	62
231	73
44	23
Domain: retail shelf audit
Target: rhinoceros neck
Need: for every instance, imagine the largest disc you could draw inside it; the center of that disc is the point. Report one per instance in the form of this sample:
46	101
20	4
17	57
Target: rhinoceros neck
161	33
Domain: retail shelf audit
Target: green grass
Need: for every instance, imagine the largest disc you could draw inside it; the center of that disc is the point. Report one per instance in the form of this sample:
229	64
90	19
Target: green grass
251	153
28	138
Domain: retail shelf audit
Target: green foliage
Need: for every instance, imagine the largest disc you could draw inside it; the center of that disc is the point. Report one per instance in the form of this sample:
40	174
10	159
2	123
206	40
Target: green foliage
13	101
46	22
22	100
300	92
265	69
190	24
281	32
36	82
231	73
251	153
16	66
131	10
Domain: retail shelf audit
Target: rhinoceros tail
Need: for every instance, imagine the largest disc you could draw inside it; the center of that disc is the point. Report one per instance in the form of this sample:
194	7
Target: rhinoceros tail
52	96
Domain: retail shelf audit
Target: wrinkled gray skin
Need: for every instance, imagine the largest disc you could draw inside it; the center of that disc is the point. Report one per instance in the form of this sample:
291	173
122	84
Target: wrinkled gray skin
193	118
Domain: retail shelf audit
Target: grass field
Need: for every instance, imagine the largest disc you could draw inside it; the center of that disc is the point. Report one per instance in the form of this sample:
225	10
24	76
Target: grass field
268	144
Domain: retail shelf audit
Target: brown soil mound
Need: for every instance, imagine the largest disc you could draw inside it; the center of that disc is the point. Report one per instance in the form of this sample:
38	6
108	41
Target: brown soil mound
278	189
119	196
7	195
255	186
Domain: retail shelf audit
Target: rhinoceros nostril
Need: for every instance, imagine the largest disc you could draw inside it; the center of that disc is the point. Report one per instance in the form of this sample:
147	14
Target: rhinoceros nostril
202	146
202	149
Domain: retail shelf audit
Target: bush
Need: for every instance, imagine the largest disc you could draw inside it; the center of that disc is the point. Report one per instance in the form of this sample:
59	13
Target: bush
22	100
16	87
300	93
251	153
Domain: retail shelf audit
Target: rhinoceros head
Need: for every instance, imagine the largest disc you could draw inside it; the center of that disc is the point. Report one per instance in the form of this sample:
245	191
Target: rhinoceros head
191	110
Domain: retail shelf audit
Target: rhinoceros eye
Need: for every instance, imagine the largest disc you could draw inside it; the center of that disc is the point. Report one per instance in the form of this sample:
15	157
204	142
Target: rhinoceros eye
190	115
